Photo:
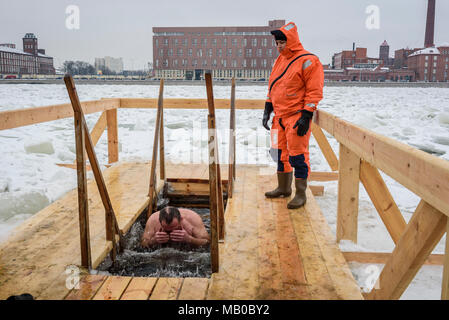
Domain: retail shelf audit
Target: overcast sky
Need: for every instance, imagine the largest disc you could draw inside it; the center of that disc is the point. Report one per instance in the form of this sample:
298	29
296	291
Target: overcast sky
120	28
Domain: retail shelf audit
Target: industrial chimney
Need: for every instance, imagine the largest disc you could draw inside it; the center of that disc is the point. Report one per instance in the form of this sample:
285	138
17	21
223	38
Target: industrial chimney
430	25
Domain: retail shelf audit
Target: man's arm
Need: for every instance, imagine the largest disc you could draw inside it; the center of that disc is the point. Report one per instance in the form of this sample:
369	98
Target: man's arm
313	75
151	236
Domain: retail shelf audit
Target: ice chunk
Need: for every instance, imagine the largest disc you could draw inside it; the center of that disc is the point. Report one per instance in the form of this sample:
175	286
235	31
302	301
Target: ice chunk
40	147
21	202
443	118
441	140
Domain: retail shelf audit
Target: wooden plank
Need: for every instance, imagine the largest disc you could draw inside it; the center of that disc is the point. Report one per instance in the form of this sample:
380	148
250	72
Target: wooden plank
231	172
152	187
213	176
325	147
73	166
194	289
111	223
423	174
445	282
113	154
83	209
344	283
423	232
199	170
245	242
382	200
162	172
270	273
317	190
88	287
322	176
112	288
166	289
382	257
24	117
99	128
139	289
320	284
174	103
348	195
293	276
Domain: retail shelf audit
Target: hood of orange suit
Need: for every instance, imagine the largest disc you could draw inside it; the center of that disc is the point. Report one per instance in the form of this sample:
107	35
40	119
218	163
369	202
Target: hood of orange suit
291	33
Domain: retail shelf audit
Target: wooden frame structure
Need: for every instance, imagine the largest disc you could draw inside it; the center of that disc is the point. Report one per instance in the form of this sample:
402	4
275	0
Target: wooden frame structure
362	154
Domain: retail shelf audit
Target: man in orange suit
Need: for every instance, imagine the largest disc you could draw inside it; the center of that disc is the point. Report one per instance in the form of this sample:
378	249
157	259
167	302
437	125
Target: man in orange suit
295	89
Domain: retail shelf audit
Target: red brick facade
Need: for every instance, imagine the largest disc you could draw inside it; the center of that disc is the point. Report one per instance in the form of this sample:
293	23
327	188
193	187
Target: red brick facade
187	52
29	61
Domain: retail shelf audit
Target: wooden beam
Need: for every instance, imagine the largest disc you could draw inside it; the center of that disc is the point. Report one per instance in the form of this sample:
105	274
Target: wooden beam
325	147
213	183
152	190
423	232
382	258
382	200
348	195
445	284
111	221
113	153
323	176
99	128
317	190
24	117
423	174
231	170
162	149
174	103
73	166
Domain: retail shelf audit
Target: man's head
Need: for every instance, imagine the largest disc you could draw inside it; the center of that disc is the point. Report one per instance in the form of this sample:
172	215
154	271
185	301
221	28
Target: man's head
287	39
281	39
170	219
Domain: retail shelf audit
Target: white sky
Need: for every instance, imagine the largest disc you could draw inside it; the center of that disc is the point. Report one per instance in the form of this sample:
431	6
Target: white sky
120	28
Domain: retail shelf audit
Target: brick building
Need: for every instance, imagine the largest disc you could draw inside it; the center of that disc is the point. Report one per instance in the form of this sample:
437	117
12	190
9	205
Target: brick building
351	58
430	64
31	60
240	52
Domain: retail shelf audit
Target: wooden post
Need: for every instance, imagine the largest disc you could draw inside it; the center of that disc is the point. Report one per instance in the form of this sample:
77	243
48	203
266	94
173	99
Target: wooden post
157	128
382	200
86	258
111	221
213	183
348	195
111	116
325	147
231	169
423	232
162	148
445	284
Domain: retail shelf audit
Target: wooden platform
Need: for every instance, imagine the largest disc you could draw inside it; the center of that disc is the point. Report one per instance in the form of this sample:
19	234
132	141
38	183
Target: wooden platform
269	252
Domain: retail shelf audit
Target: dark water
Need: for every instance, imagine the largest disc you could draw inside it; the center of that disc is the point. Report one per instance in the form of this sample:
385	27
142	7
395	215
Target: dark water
166	260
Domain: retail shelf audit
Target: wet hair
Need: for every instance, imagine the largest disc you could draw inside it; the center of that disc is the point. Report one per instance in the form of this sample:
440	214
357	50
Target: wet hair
168	214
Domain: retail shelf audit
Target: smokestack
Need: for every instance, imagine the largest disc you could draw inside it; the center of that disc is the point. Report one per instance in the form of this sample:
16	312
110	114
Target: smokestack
353	46
430	25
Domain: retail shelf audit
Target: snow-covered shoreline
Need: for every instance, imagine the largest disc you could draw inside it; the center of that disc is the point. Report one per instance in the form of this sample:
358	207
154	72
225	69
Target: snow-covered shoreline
30	178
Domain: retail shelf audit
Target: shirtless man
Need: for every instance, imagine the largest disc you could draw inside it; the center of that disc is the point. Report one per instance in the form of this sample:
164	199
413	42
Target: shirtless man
177	225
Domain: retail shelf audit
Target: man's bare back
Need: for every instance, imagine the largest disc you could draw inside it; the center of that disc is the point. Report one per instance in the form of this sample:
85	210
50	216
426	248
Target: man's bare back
164	226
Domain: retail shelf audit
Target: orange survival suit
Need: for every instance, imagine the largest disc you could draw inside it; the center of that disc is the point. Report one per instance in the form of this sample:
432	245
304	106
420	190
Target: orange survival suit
298	87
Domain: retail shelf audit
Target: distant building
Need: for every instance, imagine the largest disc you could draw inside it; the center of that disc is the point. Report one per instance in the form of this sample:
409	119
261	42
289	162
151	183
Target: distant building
240	52
354	58
384	54
113	64
430	64
31	60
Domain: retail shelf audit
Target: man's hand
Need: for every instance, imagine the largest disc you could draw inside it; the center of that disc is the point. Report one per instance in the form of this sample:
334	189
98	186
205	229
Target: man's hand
180	236
266	114
162	237
303	122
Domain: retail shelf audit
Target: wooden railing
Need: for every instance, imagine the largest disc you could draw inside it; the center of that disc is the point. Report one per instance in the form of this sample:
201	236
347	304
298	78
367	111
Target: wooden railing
362	153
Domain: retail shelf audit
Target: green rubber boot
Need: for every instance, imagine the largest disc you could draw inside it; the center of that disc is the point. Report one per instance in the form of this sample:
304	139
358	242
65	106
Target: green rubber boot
300	194
284	188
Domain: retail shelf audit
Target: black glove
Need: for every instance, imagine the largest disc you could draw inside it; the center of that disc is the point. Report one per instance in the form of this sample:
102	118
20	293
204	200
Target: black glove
266	114
303	122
